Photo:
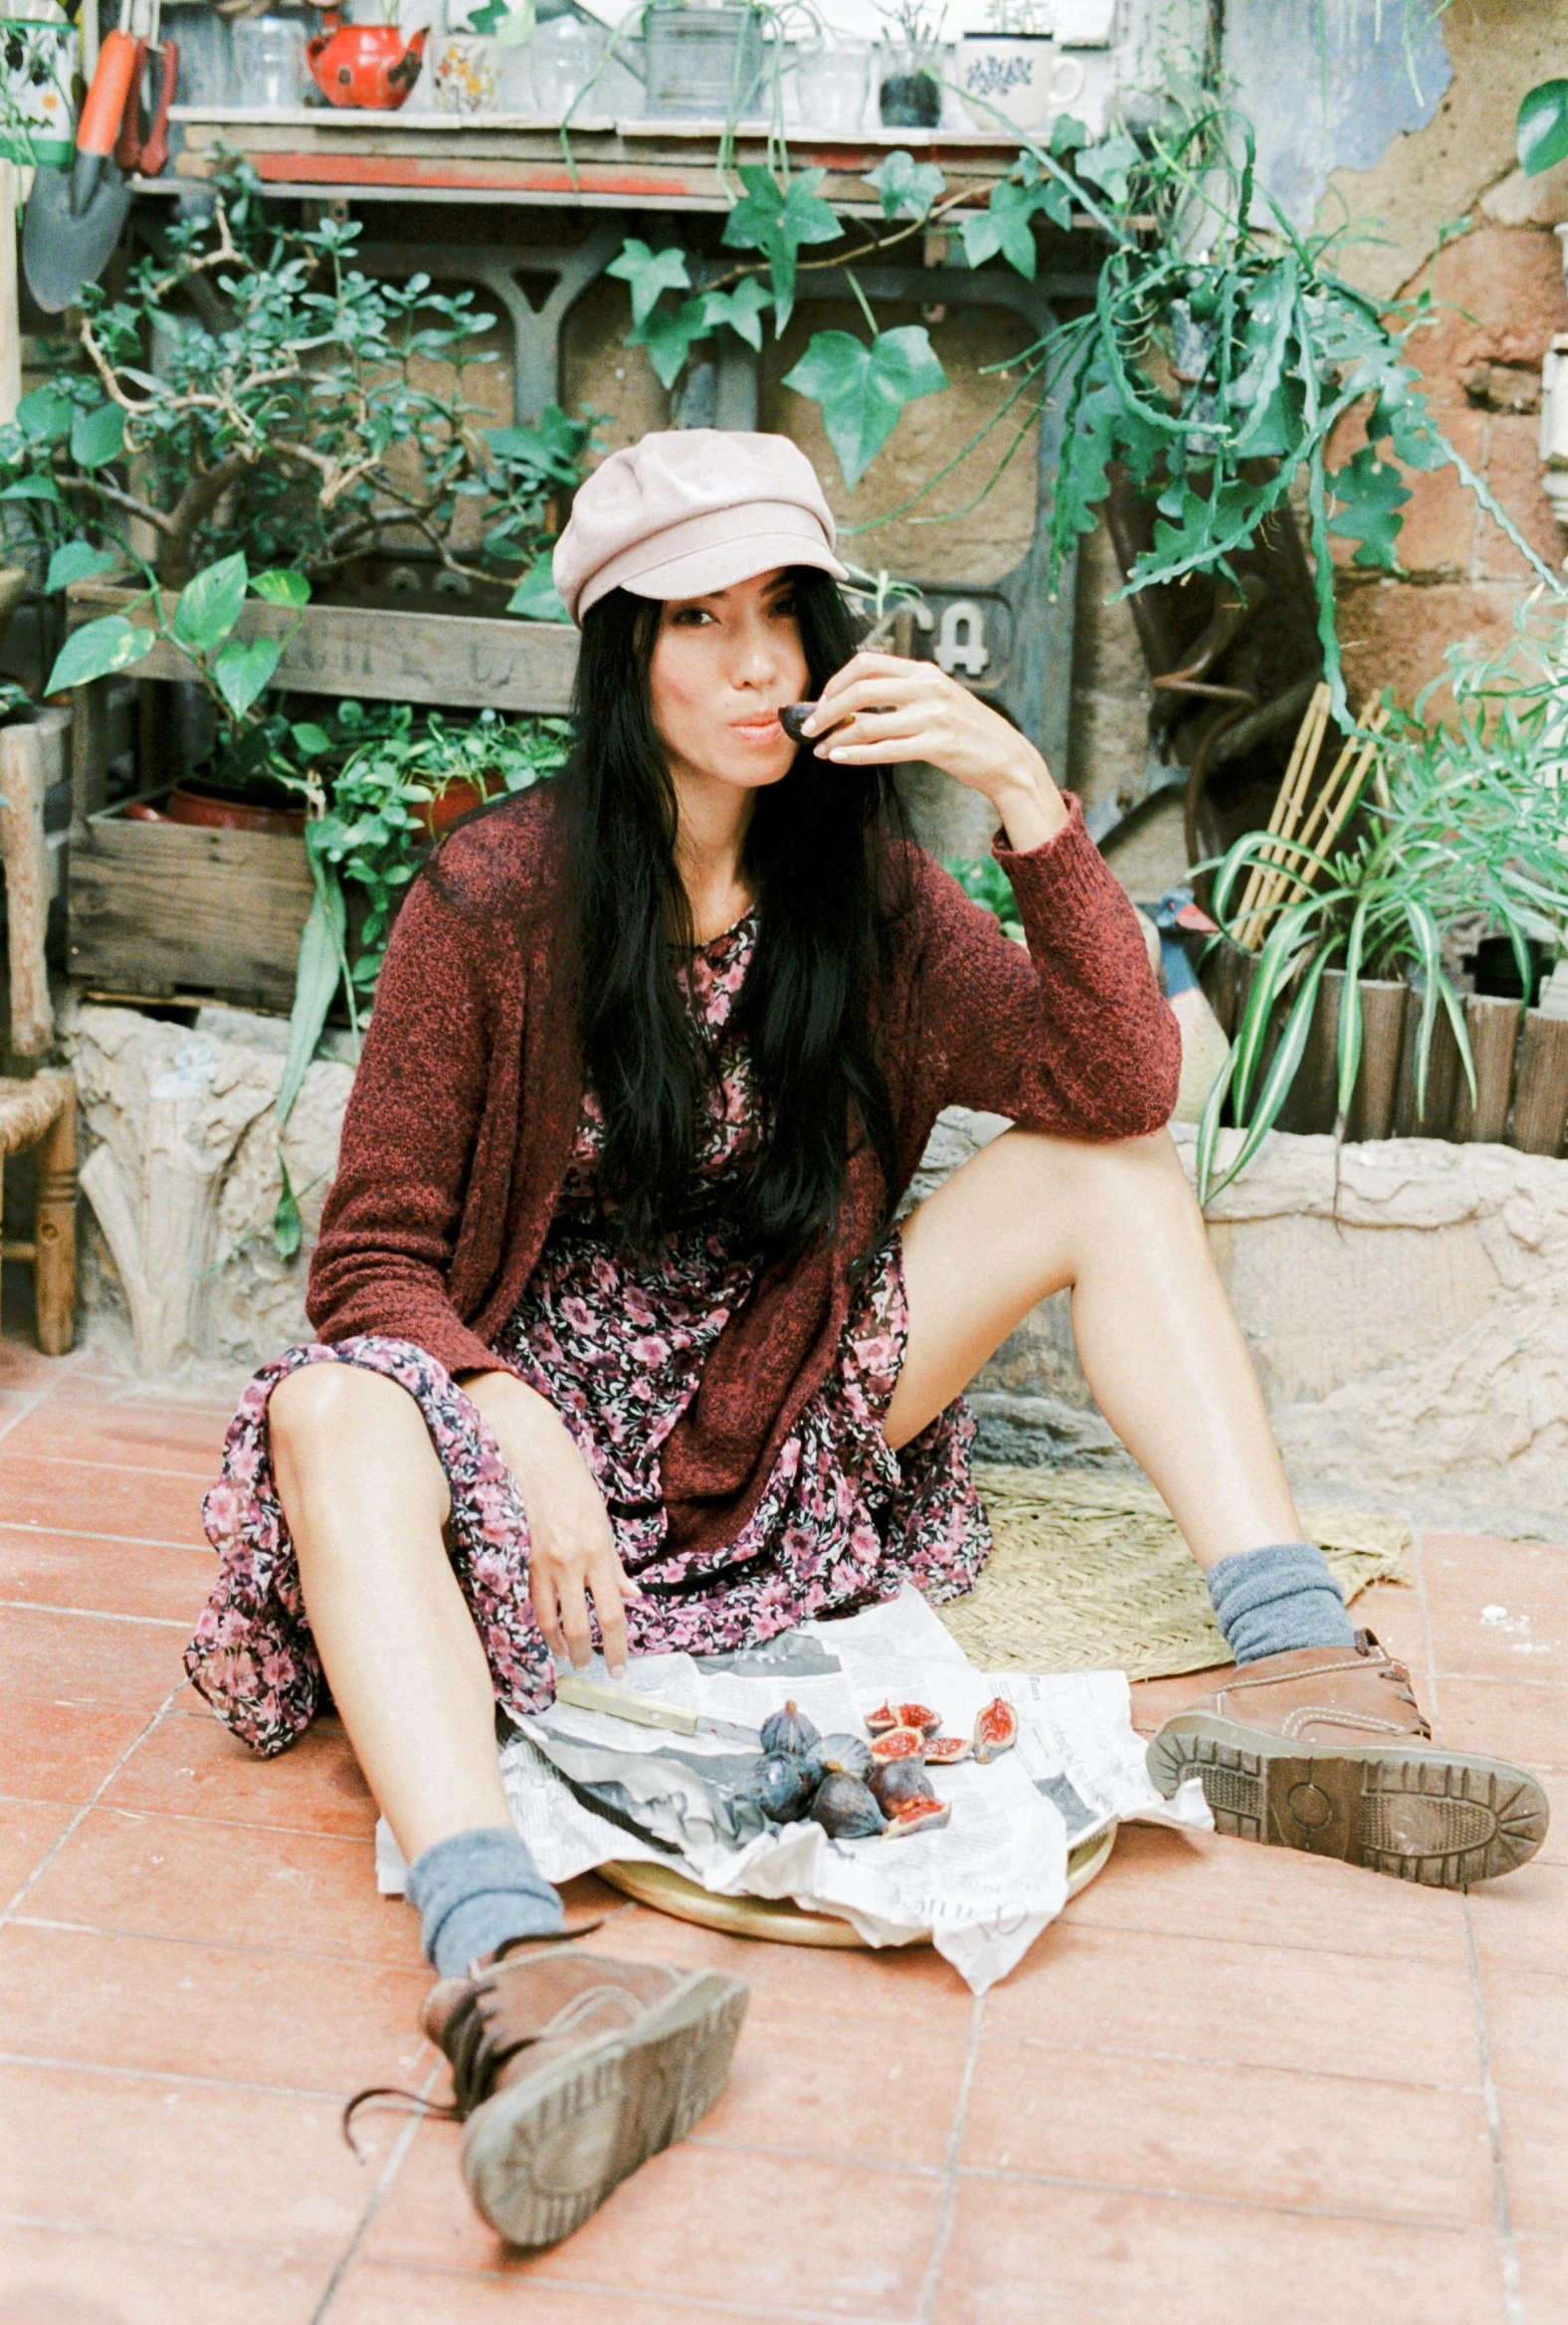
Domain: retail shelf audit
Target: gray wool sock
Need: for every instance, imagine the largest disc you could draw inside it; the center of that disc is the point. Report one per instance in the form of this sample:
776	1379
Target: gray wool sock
473	1891
1273	1600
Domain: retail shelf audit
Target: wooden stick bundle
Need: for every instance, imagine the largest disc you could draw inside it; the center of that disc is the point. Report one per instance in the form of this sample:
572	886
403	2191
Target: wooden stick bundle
1281	822
1268	891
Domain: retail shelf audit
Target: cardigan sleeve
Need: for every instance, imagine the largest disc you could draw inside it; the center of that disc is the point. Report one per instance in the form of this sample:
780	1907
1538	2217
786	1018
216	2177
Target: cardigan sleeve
390	1223
1072	1036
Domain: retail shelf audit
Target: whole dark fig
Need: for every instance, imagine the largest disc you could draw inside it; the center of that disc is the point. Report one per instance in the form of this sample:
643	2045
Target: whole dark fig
893	1782
779	1787
845	1756
789	1730
845	1808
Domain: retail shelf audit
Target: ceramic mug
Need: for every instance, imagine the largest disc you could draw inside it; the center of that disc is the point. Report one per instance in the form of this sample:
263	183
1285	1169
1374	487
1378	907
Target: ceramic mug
467	74
1016	78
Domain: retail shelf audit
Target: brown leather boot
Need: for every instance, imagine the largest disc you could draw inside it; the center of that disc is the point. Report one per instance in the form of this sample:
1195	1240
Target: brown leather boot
1326	1749
572	2069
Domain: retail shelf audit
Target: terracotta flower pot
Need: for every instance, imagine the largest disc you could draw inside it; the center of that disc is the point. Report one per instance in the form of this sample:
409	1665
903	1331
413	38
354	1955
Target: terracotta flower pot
436	816
218	815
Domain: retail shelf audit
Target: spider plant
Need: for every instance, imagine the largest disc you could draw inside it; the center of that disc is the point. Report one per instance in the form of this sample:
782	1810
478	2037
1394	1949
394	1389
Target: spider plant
1459	820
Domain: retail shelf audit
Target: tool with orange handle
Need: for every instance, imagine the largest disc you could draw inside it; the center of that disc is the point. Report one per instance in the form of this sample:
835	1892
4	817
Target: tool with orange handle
73	216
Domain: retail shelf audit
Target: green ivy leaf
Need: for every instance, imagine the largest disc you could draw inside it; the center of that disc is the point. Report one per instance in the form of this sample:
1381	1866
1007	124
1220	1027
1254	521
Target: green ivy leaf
1541	131
96	650
1068	133
1107	164
1372	497
46	416
1004	227
863	390
98	437
550	450
536	597
649	274
906	188
742	308
670	333
75	561
209	606
244	668
779	223
33	488
280	585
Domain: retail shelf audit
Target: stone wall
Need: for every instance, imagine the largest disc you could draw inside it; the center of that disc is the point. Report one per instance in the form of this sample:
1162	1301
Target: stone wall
1408	1320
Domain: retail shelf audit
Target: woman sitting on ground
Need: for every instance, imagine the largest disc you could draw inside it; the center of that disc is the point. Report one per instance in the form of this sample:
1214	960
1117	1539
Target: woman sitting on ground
617	1338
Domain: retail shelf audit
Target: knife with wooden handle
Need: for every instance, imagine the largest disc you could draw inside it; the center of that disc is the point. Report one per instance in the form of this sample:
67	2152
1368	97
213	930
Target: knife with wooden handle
584	1694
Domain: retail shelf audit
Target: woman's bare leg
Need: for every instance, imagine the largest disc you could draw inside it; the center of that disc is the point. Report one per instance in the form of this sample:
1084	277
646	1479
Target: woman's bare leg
1156	1336
366	1501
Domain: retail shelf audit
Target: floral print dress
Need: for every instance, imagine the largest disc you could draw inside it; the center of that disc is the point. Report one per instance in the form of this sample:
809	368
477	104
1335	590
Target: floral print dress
617	1344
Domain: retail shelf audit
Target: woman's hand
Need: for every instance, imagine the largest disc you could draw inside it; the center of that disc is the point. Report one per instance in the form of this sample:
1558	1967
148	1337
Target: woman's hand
882	709
572	1556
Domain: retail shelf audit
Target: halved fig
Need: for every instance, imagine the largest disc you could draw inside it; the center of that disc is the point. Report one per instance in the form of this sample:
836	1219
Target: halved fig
996	1729
893	1782
903	1715
946	1751
898	1744
882	1718
918	1815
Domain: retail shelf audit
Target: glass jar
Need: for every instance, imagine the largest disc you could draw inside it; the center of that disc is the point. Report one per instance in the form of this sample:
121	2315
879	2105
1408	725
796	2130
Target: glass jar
703	63
831	83
909	91
564	57
268	63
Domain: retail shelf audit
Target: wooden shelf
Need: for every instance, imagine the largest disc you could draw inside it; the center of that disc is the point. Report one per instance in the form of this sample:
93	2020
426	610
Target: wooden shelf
512	157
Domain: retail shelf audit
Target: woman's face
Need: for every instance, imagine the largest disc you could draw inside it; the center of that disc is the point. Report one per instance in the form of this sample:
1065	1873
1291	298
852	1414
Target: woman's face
723	666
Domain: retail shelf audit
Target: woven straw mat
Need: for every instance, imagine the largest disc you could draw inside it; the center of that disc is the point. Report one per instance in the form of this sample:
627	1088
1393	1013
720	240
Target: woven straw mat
1090	1574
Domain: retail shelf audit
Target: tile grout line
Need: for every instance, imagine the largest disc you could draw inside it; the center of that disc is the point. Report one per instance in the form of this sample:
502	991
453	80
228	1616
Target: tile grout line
75	1463
1502	2219
925	2308
88	1806
377	2196
26	1414
97	1614
96	1535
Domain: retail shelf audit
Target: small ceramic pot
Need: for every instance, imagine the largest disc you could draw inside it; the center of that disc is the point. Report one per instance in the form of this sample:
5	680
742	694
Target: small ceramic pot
368	66
213	814
1016	78
466	74
436	816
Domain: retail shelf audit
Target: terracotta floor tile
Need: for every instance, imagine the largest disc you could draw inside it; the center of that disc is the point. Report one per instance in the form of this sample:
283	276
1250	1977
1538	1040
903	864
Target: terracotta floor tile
1036	2255
284	2020
1212	1885
193	1766
28	1829
1534	2133
903	1981
1393	1611
136	1504
1526	2025
148	2154
1524	1917
163	1436
1200	1999
1304	2141
55	2278
24	1367
243	1885
832	2238
1501	1640
122	1666
1543	2278
374	2293
1469	1570
838	2083
62	1751
111	1578
1515	1721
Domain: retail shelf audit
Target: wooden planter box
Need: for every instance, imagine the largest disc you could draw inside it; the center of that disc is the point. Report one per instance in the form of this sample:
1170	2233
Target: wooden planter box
1520	1057
158	910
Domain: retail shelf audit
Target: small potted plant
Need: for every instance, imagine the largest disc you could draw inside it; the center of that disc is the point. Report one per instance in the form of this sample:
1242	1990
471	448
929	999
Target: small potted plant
1013	74
910	88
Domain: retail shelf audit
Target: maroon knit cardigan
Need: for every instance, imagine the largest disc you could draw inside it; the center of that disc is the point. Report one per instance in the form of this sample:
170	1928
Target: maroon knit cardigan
466	1105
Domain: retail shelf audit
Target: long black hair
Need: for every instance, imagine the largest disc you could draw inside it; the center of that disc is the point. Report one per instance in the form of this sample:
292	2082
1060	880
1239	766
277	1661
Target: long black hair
827	905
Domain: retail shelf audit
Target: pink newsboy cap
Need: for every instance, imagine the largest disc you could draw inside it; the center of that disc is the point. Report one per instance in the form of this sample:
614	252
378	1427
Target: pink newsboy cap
687	510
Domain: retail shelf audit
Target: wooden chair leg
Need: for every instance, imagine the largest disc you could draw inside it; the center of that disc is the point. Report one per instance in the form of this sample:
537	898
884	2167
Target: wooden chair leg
55	1244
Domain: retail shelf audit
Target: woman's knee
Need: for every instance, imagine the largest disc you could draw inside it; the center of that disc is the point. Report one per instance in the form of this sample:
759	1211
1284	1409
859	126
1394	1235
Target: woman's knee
332	1413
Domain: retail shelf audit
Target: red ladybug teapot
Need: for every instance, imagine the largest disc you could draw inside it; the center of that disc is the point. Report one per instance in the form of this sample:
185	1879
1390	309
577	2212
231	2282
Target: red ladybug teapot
369	65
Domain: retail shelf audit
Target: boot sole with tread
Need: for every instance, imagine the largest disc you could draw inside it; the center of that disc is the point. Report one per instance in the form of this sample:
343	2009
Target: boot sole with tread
1413	1810
543	2153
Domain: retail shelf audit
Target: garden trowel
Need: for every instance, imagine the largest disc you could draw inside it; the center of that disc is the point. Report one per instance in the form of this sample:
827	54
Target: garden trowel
73	216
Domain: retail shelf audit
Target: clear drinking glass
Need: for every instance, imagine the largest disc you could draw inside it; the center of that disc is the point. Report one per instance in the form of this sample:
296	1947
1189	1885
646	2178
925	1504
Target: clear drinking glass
268	63
565	55
831	80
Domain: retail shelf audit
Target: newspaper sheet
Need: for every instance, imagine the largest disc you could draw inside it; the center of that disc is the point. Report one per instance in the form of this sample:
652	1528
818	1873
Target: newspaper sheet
586	1787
